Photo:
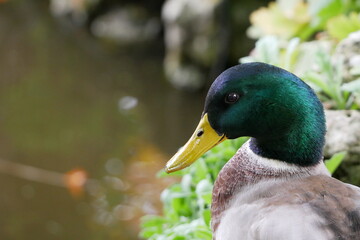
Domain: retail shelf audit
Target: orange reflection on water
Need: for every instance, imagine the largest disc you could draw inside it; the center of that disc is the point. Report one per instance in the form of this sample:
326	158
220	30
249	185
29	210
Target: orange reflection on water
75	180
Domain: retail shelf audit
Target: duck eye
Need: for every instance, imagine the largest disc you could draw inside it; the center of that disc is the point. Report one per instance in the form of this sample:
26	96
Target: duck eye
232	98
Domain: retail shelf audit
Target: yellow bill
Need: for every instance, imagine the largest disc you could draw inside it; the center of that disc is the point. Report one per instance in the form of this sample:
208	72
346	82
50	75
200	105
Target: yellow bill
203	139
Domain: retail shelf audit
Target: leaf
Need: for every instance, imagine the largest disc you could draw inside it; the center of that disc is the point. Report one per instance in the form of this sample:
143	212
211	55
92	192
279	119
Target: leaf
186	183
281	19
341	26
333	163
322	10
179	238
203	187
151	220
291	52
318	80
206	216
268	48
203	234
351	86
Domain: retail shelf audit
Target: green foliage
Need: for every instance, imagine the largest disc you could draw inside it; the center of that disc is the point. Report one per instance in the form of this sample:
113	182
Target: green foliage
186	213
354	88
315	61
272	50
282	18
297	18
311	61
329	80
341	26
334	162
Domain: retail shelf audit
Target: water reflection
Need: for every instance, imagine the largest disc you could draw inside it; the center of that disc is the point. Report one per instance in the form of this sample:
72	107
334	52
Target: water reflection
70	106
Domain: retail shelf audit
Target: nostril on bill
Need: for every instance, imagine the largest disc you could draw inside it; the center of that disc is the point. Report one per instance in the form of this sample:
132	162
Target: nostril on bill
200	133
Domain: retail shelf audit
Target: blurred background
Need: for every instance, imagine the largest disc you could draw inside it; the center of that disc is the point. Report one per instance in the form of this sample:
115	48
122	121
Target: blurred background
95	95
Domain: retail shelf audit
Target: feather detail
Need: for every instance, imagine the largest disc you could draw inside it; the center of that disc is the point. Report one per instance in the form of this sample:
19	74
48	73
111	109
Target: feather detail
317	208
251	181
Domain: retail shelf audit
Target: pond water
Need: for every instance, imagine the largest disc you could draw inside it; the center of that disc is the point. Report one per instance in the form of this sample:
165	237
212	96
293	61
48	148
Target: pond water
71	103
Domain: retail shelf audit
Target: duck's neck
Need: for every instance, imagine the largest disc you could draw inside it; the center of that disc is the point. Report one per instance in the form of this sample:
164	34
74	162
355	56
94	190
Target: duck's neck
302	145
247	168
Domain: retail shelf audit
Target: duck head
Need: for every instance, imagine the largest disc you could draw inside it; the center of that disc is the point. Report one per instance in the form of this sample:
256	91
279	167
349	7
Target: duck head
280	113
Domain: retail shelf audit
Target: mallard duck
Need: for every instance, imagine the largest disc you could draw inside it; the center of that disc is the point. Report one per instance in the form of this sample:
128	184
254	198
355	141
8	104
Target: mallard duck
276	187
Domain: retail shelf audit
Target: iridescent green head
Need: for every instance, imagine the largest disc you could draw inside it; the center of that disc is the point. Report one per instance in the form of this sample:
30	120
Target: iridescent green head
280	113
277	109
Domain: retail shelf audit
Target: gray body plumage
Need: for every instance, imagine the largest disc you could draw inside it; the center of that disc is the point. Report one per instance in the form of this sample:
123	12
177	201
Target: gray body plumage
255	198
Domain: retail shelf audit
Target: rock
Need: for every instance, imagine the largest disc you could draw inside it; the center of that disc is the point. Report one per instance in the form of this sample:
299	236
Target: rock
343	133
190	39
129	24
347	54
77	11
